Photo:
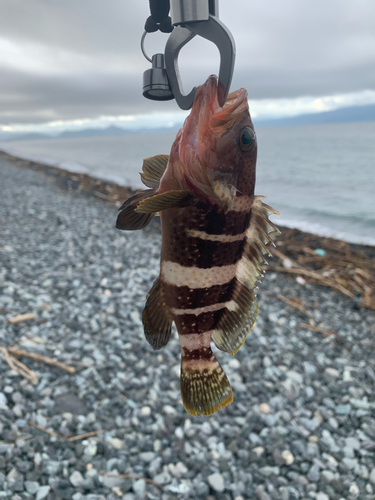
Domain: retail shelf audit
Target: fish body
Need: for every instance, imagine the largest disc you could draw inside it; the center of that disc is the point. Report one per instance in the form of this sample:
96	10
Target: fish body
214	237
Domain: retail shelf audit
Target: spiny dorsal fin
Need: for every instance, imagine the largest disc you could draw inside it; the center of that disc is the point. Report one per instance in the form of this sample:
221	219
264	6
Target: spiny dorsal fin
156	320
128	218
163	201
153	169
236	323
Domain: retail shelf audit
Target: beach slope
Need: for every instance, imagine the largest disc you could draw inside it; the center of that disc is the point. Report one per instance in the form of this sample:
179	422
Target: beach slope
108	420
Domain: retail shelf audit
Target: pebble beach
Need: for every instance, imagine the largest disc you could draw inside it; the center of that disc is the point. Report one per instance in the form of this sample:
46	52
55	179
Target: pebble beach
106	421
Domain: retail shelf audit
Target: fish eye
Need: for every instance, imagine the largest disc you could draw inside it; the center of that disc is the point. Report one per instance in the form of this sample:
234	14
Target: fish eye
247	139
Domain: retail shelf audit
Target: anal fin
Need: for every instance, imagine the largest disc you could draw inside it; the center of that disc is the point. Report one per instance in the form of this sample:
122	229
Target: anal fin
157	323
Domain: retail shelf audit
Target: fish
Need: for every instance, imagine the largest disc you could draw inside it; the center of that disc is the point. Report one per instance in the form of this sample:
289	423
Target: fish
215	236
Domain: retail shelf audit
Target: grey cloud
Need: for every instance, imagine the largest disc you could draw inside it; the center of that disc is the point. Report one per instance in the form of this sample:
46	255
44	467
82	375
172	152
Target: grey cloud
35	99
284	49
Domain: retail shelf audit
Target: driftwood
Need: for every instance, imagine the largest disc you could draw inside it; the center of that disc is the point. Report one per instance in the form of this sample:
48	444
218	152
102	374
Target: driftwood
19	367
11	353
326	333
347	268
41	359
295	303
70	439
20	318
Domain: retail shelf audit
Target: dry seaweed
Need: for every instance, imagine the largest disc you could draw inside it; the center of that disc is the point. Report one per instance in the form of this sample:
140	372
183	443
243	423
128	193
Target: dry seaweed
346	267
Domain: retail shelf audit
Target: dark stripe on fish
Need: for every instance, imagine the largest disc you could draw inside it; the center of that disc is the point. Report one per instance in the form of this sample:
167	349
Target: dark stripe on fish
202	353
190	323
214	222
217	253
183	297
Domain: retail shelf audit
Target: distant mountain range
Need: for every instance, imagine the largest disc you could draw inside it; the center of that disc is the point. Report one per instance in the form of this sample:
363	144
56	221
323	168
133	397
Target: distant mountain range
342	115
88	132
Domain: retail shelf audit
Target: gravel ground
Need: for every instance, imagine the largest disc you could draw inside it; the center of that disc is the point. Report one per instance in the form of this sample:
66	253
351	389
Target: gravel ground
302	425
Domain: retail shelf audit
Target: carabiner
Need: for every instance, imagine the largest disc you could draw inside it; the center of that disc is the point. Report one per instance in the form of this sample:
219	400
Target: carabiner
213	30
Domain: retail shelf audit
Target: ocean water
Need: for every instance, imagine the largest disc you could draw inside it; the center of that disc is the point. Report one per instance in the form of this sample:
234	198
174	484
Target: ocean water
320	177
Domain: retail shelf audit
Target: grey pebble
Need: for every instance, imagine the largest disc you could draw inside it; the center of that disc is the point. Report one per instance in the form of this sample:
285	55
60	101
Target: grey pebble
42	492
87	283
314	473
326	476
147	456
15	480
3	400
269	471
216	481
343	409
139	488
261	494
76	478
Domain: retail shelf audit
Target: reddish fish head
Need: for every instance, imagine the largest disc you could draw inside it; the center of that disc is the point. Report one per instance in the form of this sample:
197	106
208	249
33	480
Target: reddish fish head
218	147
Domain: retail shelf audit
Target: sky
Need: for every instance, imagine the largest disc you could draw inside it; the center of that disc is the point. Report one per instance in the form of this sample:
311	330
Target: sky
78	64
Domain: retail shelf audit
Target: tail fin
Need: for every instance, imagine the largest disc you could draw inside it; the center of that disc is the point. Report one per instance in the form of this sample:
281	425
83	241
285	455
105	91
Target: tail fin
204	386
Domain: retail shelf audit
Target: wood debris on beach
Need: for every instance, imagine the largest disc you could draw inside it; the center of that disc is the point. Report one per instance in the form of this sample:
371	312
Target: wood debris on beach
345	267
77	182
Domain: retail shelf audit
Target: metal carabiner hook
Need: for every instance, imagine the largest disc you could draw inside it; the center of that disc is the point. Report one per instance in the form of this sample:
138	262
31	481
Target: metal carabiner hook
213	30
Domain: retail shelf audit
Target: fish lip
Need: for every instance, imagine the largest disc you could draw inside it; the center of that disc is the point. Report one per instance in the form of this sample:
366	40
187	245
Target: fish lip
235	99
235	104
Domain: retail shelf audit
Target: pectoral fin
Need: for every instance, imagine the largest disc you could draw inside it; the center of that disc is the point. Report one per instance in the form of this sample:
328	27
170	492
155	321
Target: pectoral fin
163	201
128	218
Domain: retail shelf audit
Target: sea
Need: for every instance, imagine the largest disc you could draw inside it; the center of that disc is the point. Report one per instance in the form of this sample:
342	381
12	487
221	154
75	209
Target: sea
320	177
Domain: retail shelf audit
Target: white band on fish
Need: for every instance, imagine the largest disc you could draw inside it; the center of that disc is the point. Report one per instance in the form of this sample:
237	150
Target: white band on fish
231	306
196	277
223	238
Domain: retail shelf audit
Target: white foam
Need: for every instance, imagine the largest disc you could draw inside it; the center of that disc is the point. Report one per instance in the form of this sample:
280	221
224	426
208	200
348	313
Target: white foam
322	230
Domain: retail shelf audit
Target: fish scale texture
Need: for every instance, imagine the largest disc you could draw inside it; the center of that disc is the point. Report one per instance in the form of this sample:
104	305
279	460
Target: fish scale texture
303	415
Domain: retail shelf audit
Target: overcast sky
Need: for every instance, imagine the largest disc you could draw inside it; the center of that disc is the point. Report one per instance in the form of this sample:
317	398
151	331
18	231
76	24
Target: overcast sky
69	60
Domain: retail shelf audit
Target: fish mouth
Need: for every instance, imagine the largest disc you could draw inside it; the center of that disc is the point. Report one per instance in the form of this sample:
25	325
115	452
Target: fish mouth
219	118
206	105
234	106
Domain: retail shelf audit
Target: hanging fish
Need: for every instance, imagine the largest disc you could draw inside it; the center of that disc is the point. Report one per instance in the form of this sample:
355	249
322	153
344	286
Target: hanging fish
214	237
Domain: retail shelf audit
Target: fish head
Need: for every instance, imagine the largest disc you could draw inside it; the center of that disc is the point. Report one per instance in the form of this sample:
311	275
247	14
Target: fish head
218	147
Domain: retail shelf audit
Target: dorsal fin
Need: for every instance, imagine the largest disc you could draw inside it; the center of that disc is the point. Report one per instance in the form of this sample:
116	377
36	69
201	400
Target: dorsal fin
153	169
235	324
156	320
